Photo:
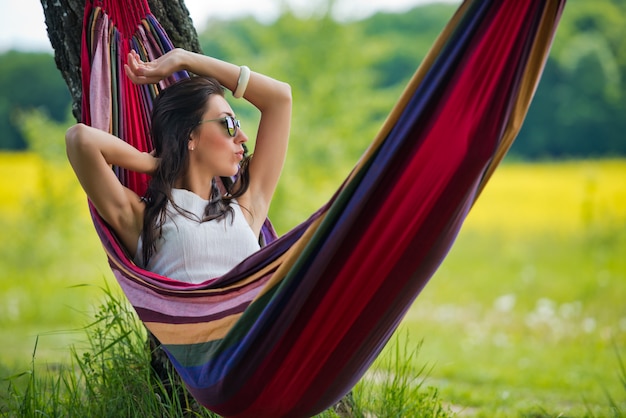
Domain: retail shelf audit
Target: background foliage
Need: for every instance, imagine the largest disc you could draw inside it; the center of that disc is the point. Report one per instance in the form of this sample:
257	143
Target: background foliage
578	110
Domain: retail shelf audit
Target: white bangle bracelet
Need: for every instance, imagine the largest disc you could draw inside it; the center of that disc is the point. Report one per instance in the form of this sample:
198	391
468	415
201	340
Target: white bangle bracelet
242	82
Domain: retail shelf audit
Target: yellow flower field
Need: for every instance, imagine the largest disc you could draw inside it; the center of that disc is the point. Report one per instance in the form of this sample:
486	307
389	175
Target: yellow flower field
519	198
26	175
559	197
19	173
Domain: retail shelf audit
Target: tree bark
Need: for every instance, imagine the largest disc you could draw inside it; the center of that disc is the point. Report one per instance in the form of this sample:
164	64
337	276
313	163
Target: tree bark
64	21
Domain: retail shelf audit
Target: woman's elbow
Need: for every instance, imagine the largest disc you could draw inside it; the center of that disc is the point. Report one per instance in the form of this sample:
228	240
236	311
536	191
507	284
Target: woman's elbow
74	134
75	140
285	92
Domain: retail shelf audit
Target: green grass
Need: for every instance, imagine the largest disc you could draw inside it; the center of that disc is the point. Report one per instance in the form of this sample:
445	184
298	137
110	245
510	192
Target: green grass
397	385
514	326
108	376
111	376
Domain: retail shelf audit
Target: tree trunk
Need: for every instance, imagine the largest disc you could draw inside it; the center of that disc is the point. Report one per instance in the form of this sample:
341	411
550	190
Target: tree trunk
64	19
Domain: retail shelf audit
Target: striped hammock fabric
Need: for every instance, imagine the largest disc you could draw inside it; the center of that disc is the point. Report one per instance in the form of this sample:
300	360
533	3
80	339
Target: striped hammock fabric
291	329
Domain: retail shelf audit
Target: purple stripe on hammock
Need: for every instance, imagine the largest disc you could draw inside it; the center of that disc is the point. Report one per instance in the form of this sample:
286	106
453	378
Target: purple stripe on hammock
149	315
145	298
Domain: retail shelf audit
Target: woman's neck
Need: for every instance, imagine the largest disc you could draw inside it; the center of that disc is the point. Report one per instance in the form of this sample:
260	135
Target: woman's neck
200	186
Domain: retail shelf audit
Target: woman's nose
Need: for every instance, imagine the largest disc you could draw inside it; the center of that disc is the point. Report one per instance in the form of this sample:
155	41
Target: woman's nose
241	136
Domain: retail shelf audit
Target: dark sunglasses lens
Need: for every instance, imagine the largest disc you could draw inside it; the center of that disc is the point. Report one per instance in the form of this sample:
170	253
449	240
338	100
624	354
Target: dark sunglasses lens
231	125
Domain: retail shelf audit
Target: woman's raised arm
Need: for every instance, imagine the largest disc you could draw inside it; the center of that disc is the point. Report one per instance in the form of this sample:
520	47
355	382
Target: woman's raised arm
91	153
271	97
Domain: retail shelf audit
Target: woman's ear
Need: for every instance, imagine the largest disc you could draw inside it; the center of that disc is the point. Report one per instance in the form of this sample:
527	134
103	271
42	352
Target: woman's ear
191	143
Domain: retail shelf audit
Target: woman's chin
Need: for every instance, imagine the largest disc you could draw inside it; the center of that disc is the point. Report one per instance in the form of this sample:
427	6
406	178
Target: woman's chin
230	173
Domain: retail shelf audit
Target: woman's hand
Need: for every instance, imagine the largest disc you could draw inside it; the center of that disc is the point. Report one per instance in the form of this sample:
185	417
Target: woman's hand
154	162
153	71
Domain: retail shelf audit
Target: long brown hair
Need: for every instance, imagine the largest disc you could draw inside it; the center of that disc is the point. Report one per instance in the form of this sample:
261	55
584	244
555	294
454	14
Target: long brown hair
177	111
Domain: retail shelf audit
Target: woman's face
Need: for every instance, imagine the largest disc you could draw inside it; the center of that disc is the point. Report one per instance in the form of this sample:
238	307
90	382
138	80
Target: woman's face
211	147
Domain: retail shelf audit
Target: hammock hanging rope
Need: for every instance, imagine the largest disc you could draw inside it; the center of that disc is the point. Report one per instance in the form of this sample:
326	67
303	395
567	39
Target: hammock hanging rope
291	329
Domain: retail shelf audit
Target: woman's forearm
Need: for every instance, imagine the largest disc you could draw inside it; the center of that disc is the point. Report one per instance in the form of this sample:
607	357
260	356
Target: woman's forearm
263	92
85	143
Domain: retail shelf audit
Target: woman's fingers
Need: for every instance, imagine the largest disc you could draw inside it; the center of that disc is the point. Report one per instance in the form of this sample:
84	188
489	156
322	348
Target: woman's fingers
141	72
132	67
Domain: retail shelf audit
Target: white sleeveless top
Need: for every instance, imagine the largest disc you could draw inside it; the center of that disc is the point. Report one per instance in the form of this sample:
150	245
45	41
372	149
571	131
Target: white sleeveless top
194	251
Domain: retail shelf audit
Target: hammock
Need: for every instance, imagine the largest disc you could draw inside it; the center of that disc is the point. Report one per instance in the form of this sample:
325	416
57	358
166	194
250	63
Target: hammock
291	329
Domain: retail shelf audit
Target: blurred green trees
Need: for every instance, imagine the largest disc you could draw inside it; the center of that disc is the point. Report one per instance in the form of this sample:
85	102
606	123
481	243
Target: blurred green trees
580	107
347	75
28	81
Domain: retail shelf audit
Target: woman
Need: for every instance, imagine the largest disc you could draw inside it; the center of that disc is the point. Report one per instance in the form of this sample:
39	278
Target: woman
186	228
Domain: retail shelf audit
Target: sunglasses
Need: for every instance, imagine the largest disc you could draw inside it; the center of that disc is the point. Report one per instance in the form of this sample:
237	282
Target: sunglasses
229	122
